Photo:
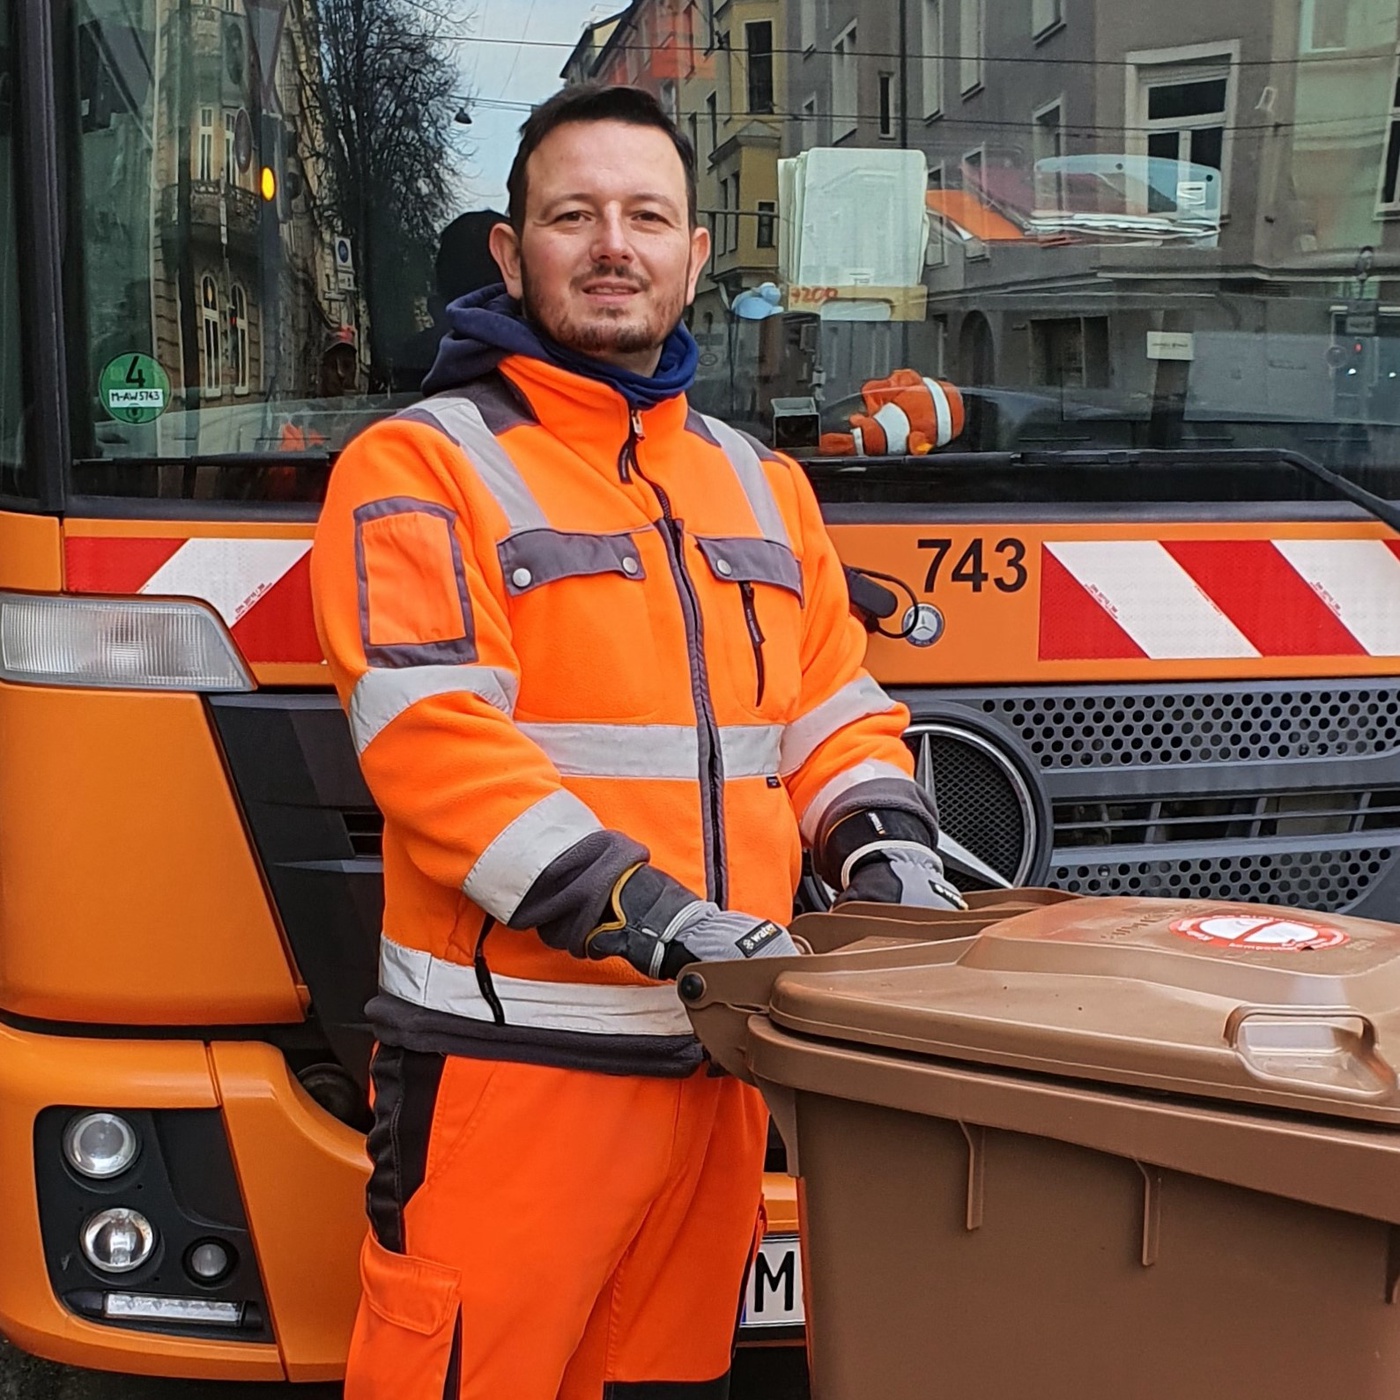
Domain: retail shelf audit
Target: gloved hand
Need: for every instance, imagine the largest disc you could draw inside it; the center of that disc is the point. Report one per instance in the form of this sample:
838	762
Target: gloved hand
886	856
660	927
902	872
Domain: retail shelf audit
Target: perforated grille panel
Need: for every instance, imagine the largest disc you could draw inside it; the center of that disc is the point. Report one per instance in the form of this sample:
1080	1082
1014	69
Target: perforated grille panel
1125	726
1310	879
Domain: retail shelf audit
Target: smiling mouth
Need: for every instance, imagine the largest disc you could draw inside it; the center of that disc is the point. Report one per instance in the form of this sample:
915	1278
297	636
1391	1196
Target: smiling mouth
610	289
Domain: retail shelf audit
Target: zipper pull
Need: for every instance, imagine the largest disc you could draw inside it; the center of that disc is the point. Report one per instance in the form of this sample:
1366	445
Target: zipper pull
627	458
756	637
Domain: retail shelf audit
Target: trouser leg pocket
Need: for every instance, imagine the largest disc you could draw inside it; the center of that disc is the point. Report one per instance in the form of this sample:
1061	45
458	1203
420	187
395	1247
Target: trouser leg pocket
407	1339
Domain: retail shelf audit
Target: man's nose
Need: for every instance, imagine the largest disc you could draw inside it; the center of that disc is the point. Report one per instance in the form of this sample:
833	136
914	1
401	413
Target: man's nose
611	243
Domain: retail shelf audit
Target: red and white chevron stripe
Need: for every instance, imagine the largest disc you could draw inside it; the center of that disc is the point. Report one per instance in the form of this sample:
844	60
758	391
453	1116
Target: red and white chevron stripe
260	587
1187	600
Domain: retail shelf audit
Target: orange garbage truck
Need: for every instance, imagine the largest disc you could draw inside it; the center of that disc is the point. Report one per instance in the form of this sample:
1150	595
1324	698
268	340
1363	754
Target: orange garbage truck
1144	606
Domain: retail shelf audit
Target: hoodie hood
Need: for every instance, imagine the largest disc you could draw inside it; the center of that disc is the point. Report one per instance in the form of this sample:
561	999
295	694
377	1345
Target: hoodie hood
485	326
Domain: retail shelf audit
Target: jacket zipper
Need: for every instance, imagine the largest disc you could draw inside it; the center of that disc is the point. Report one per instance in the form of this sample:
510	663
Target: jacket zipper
672	532
627	458
755	634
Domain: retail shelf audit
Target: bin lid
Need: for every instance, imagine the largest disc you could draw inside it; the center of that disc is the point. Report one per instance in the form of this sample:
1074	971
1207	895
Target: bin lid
1248	1002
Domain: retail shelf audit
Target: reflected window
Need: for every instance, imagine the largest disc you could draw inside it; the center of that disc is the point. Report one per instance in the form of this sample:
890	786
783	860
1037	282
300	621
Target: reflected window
1325	25
887	106
230	159
238	338
767	223
212	367
932	41
1185	117
972	43
205	169
937	253
844	87
1046	15
1390	195
1048	143
758	40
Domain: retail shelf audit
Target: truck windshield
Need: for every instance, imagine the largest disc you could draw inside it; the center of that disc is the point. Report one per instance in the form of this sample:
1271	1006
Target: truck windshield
1071	223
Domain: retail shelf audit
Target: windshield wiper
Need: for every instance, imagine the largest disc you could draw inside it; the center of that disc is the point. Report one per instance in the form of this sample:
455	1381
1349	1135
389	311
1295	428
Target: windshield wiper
1387	512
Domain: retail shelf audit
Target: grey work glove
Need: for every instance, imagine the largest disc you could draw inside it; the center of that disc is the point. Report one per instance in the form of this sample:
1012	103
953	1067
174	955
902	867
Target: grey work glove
659	926
900	872
887	857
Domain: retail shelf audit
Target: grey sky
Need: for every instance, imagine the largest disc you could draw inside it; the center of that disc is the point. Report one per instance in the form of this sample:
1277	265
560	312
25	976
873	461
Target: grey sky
496	69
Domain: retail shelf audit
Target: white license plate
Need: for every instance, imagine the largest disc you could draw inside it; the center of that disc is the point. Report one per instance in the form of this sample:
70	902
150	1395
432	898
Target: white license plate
774	1296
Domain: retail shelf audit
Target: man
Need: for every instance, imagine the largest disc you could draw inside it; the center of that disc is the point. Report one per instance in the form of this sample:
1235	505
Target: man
598	660
340	364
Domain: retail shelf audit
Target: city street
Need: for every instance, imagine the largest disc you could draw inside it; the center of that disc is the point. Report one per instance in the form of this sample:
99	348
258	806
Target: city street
768	1374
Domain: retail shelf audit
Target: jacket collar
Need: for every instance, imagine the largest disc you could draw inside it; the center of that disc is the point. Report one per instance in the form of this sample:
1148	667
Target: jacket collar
591	416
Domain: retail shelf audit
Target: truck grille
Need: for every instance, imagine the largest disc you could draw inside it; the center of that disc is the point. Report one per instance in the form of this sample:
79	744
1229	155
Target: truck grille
1127	726
1282	792
1327	879
1235	818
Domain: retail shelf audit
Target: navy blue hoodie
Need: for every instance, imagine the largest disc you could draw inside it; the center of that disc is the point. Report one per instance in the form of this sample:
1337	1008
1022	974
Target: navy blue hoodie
484	327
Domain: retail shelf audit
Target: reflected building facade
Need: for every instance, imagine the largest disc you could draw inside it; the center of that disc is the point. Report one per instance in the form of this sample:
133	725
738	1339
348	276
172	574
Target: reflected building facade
1165	208
211	217
720	69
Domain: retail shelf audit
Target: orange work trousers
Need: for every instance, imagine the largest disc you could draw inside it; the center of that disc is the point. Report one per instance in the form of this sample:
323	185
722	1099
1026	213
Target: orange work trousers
550	1234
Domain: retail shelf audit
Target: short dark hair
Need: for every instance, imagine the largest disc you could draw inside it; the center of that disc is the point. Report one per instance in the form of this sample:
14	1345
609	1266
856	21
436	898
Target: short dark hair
595	102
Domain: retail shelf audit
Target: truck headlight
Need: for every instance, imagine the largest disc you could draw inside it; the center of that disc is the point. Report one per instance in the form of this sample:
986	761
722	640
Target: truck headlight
99	1145
118	1240
116	643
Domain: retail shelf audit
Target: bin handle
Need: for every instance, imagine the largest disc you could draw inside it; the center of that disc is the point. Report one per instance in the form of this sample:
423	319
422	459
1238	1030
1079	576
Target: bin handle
1362	1052
1325	1014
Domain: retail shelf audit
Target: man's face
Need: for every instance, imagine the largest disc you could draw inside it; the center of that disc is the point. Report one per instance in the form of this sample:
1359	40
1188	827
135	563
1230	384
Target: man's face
606	262
339	372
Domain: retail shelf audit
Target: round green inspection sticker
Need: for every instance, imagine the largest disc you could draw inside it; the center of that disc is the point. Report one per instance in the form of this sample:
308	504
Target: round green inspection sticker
134	389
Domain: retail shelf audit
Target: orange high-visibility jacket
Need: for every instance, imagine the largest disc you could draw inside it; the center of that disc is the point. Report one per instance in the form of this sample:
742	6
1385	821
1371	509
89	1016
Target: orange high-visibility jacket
571	636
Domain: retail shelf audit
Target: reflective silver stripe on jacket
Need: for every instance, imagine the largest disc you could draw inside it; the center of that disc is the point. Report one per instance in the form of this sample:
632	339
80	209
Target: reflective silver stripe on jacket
457	416
506	869
866	771
454	414
588	1008
654	750
748	467
381	696
855	700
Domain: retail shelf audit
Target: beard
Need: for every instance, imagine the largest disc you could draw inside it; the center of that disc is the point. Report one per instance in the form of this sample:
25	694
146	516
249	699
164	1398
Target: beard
612	330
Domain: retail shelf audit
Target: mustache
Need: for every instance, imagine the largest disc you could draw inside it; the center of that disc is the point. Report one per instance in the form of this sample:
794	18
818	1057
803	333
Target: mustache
605	272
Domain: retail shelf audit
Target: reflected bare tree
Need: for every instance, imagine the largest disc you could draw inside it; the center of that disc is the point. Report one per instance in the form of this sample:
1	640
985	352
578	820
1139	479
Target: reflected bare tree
388	91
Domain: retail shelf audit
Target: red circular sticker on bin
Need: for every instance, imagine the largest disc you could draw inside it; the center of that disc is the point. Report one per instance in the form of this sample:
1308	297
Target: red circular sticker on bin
1259	932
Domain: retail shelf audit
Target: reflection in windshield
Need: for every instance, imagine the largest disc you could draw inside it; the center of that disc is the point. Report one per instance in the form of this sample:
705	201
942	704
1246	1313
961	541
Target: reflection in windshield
1103	222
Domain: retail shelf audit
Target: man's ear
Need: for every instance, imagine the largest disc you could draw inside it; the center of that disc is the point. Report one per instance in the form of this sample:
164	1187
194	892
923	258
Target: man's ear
504	243
699	256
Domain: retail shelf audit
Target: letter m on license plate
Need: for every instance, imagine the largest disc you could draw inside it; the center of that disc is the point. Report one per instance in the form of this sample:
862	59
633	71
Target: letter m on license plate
774	1295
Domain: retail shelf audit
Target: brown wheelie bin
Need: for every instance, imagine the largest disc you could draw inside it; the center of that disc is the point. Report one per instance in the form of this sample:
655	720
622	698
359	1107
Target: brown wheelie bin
1085	1149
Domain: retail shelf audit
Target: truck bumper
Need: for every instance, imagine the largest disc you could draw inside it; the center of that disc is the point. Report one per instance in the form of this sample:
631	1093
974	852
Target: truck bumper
302	1177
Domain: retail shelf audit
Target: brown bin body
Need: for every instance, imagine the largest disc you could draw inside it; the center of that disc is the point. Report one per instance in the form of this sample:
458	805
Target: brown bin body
1100	1149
